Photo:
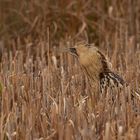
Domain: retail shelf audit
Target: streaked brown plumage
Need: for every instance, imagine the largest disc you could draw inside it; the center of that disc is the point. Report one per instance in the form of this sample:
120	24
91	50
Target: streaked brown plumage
97	68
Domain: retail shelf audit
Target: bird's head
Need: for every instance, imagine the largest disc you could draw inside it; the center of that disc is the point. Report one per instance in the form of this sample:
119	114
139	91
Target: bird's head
81	49
89	55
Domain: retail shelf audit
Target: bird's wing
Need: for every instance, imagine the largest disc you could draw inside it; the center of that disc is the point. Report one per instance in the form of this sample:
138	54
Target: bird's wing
110	79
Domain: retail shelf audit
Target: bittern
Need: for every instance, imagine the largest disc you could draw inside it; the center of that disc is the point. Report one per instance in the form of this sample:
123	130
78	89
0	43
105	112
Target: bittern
97	68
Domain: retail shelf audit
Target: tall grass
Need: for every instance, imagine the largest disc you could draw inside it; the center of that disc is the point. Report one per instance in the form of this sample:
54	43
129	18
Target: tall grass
45	95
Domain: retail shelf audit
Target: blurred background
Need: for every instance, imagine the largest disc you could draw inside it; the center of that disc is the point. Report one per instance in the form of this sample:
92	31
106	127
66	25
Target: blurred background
97	21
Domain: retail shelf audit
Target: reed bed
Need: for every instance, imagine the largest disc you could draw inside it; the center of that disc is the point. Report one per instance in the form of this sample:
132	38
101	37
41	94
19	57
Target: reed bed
44	94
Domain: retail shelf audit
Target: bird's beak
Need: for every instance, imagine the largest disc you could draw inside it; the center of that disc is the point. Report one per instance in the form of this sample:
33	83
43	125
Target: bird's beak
73	51
70	50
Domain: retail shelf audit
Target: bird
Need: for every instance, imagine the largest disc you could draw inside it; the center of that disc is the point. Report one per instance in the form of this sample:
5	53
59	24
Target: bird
97	68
